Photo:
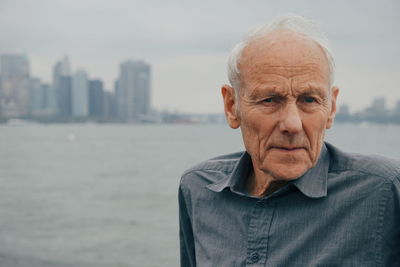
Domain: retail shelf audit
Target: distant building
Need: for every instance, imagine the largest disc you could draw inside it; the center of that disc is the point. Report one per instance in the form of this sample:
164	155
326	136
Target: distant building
378	105
15	86
65	96
133	91
343	113
50	100
120	102
377	112
396	109
80	94
110	106
396	113
43	99
37	95
96	99
61	69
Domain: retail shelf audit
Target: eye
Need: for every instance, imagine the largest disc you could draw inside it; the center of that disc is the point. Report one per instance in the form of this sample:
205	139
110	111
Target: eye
308	99
269	100
273	99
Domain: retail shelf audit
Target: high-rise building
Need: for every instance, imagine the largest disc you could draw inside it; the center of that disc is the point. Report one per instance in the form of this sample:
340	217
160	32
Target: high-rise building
80	91
61	69
96	99
43	99
15	86
378	105
110	106
38	96
50	99
377	112
343	113
133	91
64	96
119	101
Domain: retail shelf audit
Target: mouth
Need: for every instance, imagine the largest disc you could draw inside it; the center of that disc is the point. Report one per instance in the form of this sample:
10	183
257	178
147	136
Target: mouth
288	148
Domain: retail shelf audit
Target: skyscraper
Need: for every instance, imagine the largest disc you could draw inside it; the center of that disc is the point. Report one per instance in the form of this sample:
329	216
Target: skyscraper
38	96
64	97
110	106
133	91
43	101
62	69
15	86
96	99
80	91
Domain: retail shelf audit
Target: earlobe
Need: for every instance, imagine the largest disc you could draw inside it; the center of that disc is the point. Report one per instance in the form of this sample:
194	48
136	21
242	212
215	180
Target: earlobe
331	117
231	114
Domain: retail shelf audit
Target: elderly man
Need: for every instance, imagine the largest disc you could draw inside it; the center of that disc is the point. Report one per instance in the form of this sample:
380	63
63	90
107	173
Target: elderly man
290	199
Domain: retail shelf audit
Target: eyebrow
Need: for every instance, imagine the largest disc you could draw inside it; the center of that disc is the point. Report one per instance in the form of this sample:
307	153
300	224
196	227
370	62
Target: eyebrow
275	91
262	90
310	90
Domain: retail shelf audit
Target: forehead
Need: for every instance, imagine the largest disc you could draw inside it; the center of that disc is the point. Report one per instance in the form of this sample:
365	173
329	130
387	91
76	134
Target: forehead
283	54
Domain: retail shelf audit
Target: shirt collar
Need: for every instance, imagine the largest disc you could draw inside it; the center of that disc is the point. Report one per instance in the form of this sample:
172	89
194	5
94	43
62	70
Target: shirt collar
236	181
313	183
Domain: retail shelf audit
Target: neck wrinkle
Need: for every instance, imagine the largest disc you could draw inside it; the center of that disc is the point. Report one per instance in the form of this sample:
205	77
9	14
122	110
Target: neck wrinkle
263	186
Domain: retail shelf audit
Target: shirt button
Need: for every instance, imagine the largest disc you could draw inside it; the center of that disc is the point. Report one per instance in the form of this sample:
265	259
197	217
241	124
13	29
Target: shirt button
255	257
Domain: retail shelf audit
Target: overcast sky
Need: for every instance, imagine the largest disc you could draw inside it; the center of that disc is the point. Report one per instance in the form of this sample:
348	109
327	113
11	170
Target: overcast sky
187	42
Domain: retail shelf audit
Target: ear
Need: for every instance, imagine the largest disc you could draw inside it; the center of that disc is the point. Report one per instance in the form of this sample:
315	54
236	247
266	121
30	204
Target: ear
331	117
230	106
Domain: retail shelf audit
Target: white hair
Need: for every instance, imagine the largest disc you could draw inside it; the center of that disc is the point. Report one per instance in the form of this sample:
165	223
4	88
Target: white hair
294	23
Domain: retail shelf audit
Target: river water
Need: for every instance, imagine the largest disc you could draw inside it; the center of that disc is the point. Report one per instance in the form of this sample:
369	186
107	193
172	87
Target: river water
106	194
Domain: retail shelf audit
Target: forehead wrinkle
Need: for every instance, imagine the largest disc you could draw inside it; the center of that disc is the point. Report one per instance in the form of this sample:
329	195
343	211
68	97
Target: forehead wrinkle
264	91
312	90
282	53
264	73
286	71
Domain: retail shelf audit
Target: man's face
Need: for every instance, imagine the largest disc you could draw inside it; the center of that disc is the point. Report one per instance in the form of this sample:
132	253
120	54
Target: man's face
285	104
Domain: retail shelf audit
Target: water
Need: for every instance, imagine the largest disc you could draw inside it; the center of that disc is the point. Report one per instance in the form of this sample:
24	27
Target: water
106	195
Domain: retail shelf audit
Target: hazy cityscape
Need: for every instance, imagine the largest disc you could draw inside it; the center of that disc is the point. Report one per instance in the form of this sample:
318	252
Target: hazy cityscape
73	96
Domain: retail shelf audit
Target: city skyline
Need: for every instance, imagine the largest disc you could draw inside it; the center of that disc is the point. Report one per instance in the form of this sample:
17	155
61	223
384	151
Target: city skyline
75	96
72	95
187	42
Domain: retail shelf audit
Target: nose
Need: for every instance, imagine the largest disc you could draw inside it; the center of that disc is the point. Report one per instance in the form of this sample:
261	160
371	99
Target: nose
290	120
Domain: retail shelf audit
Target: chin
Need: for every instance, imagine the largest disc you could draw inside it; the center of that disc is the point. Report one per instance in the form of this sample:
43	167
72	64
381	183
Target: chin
285	172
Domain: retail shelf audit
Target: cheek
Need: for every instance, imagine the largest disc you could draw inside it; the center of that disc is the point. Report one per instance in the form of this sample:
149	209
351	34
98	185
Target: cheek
250	134
256	130
315	131
256	124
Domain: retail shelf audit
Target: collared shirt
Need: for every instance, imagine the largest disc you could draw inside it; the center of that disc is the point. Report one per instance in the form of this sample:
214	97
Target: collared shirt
343	212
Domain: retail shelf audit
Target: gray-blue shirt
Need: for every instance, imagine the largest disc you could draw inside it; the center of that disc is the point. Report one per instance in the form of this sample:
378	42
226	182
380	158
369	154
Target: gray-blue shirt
343	212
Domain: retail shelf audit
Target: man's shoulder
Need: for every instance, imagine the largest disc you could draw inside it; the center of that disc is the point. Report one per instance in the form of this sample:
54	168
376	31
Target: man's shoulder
211	170
375	165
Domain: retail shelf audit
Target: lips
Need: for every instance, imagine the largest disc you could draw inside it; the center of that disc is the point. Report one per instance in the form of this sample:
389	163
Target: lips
288	148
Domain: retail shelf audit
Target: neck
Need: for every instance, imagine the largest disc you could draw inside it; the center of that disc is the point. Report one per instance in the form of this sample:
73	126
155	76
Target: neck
261	184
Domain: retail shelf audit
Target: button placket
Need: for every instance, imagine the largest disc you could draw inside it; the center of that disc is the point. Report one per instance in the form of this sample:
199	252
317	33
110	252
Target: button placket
259	225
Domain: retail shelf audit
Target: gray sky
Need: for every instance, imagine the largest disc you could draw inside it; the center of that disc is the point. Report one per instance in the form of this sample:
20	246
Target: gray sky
187	42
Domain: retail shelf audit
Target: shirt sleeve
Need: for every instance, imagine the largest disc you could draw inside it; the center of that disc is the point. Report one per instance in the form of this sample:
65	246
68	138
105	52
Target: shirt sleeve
187	251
